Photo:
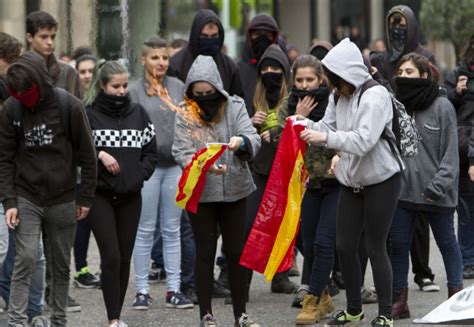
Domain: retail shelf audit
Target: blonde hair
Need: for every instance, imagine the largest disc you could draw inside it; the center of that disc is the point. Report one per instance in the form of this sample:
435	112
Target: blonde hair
260	101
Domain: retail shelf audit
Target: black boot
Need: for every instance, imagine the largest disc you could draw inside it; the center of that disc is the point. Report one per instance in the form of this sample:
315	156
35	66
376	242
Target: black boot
282	284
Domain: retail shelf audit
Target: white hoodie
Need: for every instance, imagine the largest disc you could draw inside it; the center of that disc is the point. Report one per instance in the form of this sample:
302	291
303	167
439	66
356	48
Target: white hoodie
356	130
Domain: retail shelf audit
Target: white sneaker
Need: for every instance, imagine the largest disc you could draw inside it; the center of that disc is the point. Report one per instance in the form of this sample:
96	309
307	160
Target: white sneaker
427	285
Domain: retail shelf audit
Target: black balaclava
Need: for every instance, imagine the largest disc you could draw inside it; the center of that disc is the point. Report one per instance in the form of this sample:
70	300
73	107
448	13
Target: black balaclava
272	81
209	46
209	104
260	44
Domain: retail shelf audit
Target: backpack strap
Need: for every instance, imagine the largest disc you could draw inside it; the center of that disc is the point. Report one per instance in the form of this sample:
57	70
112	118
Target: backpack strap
367	85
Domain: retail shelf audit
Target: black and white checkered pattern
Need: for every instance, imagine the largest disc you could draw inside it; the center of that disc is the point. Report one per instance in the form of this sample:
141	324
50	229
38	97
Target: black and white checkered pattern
125	138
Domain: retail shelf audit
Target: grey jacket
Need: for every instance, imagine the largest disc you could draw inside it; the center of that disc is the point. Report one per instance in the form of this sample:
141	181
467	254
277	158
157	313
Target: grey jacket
435	170
191	134
355	130
161	114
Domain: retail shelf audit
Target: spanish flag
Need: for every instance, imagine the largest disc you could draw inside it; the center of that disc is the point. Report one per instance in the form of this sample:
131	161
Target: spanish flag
192	181
269	247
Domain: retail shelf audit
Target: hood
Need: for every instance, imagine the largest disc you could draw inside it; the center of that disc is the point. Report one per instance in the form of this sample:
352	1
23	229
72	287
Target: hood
413	32
276	53
203	17
34	64
204	69
321	44
345	60
259	22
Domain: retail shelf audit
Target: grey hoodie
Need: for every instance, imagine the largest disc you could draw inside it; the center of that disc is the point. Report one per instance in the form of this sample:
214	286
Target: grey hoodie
161	115
356	130
191	134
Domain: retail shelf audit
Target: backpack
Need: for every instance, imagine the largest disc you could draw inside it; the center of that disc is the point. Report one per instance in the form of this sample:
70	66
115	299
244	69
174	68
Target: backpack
403	126
64	114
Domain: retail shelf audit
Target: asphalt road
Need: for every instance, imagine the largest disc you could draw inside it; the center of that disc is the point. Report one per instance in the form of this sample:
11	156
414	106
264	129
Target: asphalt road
264	307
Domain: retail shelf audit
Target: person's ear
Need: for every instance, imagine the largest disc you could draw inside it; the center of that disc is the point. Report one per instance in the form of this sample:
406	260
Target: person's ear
143	60
29	37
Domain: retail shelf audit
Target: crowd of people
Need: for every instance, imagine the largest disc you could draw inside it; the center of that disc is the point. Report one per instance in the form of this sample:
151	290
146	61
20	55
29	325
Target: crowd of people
84	150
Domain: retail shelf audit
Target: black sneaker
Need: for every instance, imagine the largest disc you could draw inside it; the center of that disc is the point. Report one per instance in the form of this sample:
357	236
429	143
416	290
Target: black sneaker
382	321
72	305
244	321
342	317
178	300
367	296
219	291
84	279
337	278
190	293
208	320
468	272
299	297
142	301
332	288
427	285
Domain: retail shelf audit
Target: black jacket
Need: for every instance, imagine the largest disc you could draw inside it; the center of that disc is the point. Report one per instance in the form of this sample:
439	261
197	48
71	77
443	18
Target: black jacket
123	130
464	105
181	62
388	65
263	160
248	65
40	165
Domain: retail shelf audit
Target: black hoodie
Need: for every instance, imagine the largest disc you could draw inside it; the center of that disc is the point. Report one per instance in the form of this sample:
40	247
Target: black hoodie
123	129
181	62
388	66
263	160
40	165
248	65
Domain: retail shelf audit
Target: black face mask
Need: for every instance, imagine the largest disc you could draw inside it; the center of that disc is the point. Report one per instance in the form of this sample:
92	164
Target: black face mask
272	82
259	45
209	104
209	46
320	95
397	36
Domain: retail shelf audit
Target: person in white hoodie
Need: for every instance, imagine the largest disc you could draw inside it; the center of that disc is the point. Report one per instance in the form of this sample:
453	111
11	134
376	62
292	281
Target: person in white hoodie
368	171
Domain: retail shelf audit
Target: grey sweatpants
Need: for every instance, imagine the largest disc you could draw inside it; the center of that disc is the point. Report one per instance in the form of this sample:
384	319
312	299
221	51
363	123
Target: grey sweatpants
58	223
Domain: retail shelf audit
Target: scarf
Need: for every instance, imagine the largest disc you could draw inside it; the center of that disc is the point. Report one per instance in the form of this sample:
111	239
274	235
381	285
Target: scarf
320	95
416	94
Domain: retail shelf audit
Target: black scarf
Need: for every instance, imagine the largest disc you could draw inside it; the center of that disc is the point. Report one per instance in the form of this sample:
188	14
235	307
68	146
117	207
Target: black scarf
416	94
209	104
320	95
272	82
114	105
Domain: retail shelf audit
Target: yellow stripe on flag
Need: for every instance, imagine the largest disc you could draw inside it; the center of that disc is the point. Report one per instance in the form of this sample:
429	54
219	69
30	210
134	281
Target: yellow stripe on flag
289	223
195	172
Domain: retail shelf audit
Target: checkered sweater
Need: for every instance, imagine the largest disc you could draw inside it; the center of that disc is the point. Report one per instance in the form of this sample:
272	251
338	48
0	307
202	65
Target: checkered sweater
129	136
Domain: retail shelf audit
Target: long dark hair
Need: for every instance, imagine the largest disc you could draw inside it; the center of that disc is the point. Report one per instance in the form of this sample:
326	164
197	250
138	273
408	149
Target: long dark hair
467	54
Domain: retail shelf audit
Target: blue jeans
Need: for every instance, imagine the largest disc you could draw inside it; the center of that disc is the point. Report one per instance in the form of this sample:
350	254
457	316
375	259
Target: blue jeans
318	225
466	228
35	300
188	251
158	202
401	234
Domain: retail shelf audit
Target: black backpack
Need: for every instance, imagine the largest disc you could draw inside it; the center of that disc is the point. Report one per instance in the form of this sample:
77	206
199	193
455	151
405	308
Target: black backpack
64	114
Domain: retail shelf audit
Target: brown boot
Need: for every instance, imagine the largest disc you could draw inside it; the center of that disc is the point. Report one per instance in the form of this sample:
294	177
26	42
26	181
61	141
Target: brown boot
453	290
309	313
400	306
325	303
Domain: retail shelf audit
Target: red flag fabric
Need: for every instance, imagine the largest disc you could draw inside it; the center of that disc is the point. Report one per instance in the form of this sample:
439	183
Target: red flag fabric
193	179
269	247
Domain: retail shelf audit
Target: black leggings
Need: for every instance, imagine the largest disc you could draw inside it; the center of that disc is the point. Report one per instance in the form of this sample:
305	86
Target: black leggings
371	210
230	216
81	243
114	222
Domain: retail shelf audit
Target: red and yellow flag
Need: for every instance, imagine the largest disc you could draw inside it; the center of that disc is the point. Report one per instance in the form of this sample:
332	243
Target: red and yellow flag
192	181
269	247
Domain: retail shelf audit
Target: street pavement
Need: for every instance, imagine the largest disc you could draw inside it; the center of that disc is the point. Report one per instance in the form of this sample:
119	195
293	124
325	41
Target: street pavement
264	307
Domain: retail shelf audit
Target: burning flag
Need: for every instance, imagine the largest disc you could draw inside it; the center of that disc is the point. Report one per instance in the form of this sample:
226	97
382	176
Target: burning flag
269	247
192	181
